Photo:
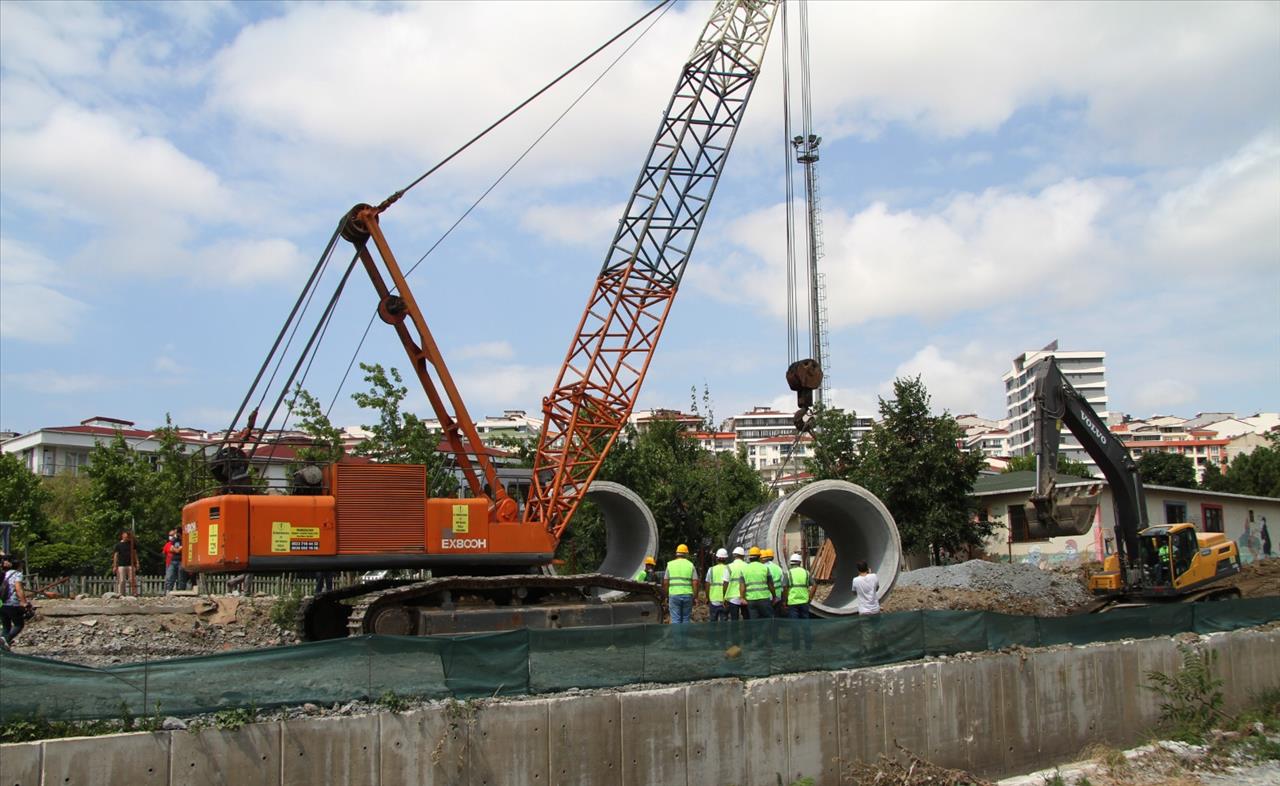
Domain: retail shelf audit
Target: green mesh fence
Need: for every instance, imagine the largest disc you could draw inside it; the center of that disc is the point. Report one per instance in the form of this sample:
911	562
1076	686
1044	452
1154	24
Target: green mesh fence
540	661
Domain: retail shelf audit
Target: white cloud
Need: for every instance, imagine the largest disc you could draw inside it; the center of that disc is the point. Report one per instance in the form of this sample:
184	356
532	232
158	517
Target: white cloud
510	386
425	87
488	350
248	261
1163	395
57	383
32	307
60	39
972	251
107	171
1149	77
592	226
959	381
1229	215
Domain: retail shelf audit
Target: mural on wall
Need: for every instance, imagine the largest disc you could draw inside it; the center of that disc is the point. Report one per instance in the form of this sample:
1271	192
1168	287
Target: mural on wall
1250	541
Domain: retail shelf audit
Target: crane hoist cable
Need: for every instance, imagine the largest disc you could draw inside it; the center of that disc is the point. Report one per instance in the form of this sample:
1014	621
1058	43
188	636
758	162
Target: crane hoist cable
391	200
304	298
498	180
788	166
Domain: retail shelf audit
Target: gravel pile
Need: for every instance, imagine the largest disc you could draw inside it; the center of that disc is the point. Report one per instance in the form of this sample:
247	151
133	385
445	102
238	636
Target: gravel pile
1013	580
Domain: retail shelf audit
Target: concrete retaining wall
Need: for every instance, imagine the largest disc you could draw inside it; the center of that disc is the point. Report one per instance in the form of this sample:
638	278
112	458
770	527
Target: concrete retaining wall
991	714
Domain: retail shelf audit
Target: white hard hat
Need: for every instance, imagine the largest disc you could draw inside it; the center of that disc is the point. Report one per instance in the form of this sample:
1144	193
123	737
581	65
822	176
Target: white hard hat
722	554
795	558
739	551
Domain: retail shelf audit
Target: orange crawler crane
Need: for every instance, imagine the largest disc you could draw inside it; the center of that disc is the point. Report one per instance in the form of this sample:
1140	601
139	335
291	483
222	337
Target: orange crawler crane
486	554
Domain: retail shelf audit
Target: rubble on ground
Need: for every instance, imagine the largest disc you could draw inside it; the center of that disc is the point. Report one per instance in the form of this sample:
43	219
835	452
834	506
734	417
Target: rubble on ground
977	585
108	631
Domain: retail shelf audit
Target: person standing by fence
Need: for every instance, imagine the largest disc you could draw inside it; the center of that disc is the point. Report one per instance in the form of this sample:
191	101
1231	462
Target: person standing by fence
124	563
13	599
172	561
679	584
799	591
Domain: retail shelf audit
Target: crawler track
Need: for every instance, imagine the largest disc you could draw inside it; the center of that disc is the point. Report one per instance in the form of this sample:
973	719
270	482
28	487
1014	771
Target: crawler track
471	604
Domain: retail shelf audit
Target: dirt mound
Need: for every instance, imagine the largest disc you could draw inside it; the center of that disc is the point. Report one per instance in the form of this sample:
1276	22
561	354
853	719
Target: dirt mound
1257	579
102	632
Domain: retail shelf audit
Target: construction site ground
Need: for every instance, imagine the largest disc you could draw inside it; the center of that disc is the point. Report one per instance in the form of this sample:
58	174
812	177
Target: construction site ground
107	631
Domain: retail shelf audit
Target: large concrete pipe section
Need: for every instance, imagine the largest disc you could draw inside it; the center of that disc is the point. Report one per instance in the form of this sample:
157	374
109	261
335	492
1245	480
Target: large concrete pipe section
630	531
858	524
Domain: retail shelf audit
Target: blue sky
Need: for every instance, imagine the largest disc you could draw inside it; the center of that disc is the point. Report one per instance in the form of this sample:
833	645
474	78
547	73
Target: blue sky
994	177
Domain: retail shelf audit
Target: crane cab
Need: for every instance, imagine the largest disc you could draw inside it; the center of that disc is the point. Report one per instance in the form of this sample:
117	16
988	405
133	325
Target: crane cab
1173	559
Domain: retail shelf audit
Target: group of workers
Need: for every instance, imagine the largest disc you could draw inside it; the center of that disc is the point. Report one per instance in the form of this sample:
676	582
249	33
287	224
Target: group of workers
750	586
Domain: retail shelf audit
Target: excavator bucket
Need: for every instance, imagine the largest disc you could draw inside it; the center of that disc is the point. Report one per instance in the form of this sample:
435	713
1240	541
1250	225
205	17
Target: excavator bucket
1062	512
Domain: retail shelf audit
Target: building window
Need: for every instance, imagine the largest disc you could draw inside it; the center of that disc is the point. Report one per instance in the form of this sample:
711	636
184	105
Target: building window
48	463
1018	524
1211	515
1175	512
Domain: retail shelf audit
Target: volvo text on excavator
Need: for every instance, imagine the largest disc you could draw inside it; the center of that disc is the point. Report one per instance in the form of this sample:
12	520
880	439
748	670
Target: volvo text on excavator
487	553
1170	562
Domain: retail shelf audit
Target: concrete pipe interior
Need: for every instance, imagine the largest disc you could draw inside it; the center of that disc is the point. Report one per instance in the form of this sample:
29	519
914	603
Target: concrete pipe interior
630	531
858	524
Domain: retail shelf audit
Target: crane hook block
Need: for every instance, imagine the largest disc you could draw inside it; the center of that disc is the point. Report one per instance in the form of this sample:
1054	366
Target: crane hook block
804	375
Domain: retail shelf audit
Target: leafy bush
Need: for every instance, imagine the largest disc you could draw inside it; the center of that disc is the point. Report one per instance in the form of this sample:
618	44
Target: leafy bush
1192	698
284	613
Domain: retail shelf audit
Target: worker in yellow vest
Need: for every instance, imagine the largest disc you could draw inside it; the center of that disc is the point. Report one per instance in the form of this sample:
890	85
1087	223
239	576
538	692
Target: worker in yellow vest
777	574
735	590
648	571
758	587
717	581
800	589
680	584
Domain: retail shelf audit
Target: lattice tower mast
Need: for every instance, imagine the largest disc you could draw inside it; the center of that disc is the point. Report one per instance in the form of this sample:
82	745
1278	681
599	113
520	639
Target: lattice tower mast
600	379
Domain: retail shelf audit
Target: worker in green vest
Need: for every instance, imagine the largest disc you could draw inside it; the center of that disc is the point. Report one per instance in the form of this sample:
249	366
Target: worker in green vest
717	581
680	584
799	591
734	594
758	586
1163	553
778	575
648	571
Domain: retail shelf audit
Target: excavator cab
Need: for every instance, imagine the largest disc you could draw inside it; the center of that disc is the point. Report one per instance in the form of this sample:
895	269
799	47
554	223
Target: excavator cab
1175	558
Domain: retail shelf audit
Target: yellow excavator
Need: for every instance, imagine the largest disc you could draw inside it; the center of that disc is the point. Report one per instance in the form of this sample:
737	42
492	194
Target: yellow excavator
1169	562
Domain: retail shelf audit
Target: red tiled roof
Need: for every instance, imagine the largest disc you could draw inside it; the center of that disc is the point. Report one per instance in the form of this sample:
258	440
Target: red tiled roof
128	433
786	439
445	447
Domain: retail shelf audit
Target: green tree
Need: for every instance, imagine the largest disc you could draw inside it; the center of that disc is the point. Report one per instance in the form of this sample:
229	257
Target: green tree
176	477
1213	479
400	437
1256	473
696	496
1158	468
116	475
835	450
1066	466
22	499
912	461
311	419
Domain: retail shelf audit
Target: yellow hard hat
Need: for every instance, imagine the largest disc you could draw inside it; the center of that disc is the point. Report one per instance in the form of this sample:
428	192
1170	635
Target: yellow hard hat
754	551
650	561
682	549
767	554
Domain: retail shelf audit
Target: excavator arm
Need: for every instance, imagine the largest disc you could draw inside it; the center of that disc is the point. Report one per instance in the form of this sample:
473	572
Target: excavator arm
1057	403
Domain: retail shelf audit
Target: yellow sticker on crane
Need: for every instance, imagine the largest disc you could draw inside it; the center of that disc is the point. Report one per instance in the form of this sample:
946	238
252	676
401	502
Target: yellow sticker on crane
306	533
280	536
213	540
461	519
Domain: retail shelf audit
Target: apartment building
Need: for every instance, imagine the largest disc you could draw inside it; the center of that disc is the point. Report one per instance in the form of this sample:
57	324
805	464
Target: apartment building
55	450
780	455
1085	370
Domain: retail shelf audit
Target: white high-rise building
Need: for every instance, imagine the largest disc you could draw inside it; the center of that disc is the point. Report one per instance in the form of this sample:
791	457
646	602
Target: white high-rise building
1087	373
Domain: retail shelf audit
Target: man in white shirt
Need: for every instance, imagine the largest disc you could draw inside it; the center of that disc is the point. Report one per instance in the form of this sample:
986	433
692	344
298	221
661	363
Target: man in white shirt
866	585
